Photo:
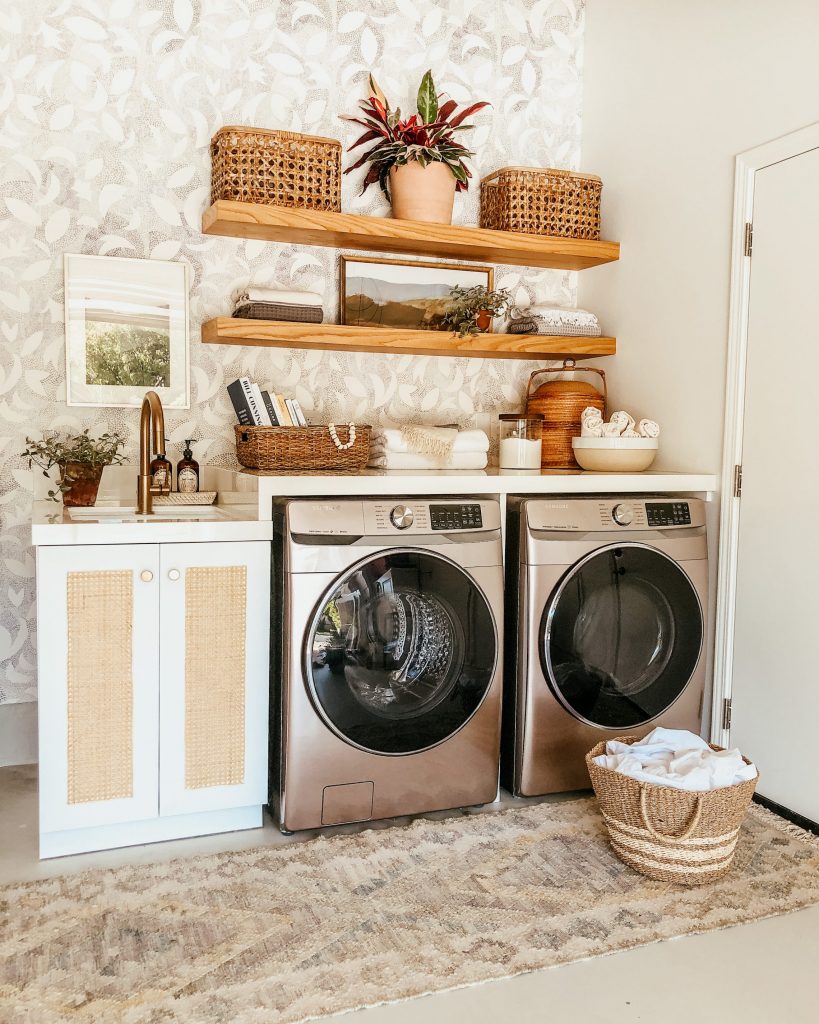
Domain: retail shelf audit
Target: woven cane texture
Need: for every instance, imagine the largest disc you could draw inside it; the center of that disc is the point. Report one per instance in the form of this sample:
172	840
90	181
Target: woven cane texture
253	165
300	448
542	201
670	834
287	311
100	686
215	601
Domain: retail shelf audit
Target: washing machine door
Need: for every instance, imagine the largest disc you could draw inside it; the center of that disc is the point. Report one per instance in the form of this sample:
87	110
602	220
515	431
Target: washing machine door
400	652
621	635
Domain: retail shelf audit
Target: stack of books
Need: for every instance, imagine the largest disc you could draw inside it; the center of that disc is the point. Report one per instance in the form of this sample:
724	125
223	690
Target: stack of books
252	303
257	408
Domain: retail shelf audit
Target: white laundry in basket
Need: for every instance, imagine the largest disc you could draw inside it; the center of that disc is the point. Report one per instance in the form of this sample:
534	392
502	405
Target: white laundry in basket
678	758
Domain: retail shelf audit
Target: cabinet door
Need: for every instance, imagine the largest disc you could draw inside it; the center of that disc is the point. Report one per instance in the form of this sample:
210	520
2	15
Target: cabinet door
98	667
214	638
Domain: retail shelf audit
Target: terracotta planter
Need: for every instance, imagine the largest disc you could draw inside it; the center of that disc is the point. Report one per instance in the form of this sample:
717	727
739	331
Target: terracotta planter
483	321
83	482
422	193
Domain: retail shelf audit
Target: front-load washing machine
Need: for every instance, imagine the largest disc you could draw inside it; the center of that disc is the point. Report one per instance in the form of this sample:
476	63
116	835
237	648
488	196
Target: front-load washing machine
387	666
605	622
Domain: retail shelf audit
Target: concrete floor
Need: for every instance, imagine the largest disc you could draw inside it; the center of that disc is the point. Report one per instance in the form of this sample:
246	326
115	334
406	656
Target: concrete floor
758	973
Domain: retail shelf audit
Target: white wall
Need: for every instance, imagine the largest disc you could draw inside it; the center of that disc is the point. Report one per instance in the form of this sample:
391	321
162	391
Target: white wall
672	92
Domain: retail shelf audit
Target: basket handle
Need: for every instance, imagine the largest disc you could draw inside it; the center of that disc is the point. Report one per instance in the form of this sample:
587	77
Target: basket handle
571	364
685	834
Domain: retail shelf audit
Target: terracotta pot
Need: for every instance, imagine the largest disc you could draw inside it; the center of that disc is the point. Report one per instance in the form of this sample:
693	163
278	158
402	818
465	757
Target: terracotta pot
483	321
422	193
82	481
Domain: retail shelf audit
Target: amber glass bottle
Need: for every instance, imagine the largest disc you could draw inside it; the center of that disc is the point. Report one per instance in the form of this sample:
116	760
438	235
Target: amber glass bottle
187	470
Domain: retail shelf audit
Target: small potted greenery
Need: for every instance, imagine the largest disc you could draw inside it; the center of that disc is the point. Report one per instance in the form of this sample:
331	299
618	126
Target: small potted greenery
417	160
80	459
473	309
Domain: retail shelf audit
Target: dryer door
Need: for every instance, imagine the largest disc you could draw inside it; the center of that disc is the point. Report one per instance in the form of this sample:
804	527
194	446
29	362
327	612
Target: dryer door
400	652
621	636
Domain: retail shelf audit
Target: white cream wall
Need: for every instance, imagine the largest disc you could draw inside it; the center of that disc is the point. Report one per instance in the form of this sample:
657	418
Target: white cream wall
672	92
106	111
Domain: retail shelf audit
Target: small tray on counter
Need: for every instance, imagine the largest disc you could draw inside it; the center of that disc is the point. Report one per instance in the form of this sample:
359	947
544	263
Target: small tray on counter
186	498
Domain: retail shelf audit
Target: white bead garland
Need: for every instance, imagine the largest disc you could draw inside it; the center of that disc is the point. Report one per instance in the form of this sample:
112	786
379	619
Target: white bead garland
334	435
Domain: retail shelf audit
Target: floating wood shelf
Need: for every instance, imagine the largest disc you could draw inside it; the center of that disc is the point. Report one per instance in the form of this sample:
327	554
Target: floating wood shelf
383	234
227	330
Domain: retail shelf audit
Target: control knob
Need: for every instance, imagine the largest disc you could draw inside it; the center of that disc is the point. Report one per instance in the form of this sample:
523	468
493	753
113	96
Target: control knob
623	515
401	517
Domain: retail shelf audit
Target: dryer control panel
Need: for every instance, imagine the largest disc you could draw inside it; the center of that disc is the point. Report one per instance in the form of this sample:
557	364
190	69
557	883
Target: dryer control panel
623	513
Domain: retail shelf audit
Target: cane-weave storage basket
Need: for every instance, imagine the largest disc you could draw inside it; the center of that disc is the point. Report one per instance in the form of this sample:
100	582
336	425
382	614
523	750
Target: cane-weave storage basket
301	447
542	201
561	404
670	834
257	165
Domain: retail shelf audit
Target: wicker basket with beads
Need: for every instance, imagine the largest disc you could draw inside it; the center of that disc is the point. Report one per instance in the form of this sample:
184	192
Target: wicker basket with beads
561	404
542	201
257	165
285	448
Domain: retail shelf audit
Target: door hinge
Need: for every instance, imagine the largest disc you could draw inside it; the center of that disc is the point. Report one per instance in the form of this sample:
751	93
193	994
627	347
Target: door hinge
749	238
726	713
737	481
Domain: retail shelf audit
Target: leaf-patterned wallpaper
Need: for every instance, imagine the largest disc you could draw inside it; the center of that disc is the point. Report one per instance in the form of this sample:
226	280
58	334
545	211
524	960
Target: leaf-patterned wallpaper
106	112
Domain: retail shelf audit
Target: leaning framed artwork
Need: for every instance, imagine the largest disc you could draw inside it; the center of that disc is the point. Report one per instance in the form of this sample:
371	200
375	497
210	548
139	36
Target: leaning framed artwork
402	294
126	331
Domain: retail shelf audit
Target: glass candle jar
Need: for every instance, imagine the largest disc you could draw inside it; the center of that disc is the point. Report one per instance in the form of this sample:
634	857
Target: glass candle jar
520	441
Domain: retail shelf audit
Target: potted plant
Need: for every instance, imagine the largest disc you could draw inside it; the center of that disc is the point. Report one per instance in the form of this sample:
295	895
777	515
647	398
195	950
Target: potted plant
473	309
80	459
417	161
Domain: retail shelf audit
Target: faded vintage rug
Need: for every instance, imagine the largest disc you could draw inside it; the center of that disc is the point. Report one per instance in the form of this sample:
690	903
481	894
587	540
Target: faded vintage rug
268	936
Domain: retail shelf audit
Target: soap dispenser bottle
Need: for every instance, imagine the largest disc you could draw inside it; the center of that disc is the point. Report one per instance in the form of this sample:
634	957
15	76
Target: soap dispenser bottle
161	473
187	470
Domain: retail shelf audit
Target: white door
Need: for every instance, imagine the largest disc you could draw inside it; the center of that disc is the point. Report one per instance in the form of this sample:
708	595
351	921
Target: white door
775	674
214	638
98	670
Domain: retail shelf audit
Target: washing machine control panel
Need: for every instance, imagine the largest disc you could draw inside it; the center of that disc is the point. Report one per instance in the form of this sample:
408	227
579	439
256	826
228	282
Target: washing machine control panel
668	513
455	517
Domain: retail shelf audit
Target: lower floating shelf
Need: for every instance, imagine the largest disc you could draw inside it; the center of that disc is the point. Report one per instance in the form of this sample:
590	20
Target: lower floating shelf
227	330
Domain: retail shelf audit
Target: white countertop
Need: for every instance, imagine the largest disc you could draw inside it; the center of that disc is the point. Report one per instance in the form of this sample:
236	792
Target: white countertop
245	504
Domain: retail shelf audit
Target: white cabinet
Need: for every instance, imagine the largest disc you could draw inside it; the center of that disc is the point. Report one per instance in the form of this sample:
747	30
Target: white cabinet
153	669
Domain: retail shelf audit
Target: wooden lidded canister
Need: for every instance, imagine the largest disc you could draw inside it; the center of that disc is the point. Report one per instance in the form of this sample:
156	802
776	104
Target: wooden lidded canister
561	403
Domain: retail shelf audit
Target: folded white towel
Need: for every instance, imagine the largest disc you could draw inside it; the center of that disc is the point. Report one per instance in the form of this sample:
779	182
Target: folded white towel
648	428
258	293
411	460
557	314
421	440
677	758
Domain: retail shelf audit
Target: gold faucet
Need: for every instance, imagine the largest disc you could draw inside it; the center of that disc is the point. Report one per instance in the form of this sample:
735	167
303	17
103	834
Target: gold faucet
150	417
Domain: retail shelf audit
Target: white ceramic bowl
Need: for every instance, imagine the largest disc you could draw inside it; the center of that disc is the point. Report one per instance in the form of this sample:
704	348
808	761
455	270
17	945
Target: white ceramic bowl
615	454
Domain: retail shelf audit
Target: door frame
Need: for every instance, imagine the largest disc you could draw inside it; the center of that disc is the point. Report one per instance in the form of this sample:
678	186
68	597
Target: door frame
747	165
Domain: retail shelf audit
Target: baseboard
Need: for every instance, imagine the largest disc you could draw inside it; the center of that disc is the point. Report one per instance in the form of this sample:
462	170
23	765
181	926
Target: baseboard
788	814
18	733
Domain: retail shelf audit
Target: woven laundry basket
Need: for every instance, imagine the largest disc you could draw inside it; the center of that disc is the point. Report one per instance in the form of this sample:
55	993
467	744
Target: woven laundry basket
279	448
561	404
670	834
258	165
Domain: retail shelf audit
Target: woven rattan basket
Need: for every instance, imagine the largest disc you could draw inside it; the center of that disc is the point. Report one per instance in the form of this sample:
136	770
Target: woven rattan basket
301	448
561	404
255	165
670	834
542	201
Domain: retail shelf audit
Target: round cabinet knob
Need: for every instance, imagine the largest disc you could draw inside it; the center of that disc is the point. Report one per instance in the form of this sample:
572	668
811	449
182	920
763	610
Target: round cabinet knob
173	574
401	517
623	515
146	575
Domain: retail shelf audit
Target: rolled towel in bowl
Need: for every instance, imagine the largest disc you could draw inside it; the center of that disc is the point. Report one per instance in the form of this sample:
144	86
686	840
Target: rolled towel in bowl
648	428
611	430
621	420
591	422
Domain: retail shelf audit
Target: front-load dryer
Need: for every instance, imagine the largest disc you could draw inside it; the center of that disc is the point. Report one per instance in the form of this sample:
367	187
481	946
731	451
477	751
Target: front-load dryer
387	667
605	622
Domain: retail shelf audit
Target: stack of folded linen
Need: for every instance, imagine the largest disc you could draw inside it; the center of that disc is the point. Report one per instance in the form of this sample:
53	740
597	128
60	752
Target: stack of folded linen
412	447
554	320
255	303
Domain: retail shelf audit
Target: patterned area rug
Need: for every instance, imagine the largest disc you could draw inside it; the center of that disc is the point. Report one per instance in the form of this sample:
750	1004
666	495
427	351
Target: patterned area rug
287	934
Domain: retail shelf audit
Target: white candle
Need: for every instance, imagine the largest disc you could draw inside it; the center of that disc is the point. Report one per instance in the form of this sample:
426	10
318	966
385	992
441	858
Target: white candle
519	453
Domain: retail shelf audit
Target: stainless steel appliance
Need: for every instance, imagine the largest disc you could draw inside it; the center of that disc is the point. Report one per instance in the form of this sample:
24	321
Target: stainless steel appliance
605	620
387	665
